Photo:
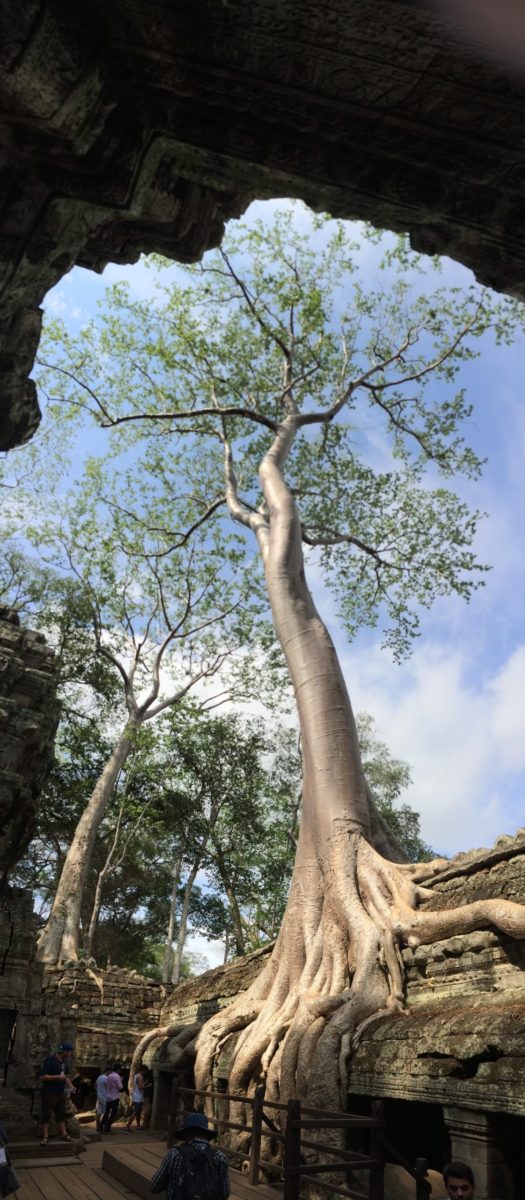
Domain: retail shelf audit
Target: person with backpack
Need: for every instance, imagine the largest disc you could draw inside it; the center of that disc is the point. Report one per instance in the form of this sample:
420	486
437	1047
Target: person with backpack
193	1171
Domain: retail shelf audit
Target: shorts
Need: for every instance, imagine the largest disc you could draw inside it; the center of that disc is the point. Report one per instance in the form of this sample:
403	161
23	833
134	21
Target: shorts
138	1105
53	1104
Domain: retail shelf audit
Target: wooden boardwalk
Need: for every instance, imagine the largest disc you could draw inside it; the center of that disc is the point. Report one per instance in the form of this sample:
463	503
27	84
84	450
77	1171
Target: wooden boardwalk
131	1158
82	1180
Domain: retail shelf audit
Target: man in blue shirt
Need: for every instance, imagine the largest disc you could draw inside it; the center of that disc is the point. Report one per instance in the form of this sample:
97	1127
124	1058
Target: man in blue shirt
54	1083
179	1167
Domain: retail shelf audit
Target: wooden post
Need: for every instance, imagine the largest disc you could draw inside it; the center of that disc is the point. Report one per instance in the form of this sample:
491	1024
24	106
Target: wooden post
255	1143
292	1151
423	1187
377	1151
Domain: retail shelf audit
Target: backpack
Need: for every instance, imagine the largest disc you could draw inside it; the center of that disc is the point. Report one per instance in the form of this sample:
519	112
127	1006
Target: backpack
200	1180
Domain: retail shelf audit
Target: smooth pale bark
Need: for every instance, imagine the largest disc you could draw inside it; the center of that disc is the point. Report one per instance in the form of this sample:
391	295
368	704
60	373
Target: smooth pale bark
226	944
95	912
167	965
59	939
353	899
103	874
110	865
186	899
183	923
186	1035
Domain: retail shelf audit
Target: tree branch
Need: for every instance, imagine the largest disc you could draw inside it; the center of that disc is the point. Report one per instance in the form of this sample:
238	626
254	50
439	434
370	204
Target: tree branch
191	414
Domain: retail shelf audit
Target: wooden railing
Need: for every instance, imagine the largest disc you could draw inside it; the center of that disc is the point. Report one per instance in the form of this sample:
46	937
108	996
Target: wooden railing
295	1170
418	1171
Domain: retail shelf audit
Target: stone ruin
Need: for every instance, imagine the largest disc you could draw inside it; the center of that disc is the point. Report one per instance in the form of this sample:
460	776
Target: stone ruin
39	1007
139	126
452	1069
126	128
28	719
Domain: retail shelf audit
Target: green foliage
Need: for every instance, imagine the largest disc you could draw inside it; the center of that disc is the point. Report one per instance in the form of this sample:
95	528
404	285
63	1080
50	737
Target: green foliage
275	314
273	321
387	778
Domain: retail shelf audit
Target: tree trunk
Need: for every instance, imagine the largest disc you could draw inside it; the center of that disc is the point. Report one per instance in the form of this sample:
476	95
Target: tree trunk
167	965
183	923
95	912
238	931
59	939
103	874
353	897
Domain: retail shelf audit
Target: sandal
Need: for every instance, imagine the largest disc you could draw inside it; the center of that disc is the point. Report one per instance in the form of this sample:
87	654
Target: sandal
66	1138
43	1142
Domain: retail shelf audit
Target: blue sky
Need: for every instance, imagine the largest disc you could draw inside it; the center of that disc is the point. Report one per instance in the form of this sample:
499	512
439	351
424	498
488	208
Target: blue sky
455	710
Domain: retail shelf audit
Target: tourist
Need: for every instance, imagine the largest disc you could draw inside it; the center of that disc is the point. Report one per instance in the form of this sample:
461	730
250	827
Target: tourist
459	1181
114	1086
54	1083
82	1087
148	1098
137	1100
8	1178
102	1099
193	1169
4	1161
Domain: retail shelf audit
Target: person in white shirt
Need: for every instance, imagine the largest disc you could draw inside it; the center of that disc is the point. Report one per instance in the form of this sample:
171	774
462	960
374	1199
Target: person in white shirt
137	1100
102	1098
114	1086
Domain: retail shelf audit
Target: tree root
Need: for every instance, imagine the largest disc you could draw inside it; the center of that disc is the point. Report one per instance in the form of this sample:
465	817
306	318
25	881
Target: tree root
335	969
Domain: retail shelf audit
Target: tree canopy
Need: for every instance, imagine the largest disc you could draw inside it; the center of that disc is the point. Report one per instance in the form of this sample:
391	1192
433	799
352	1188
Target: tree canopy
293	419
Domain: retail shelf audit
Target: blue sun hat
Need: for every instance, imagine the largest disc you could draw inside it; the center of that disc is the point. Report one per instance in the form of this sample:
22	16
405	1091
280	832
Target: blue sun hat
197	1121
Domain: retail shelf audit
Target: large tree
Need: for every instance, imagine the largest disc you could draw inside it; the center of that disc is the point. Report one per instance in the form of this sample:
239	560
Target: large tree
164	623
333	415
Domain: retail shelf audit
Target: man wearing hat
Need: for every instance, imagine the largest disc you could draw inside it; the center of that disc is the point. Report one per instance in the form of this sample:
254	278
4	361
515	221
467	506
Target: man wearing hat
54	1083
193	1171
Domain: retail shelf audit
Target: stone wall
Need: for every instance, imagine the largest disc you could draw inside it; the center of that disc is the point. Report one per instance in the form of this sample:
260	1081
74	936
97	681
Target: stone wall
105	1012
198	999
462	1041
29	714
144	126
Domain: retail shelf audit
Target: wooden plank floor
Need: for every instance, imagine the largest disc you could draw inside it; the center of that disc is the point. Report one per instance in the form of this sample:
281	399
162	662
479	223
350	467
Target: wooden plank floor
88	1181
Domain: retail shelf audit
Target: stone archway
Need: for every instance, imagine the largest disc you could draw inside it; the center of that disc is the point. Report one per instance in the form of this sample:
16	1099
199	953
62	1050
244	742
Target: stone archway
134	127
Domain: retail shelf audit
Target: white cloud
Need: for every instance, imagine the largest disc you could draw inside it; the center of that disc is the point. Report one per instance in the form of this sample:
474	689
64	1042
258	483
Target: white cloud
213	950
56	303
509	711
465	741
141	279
